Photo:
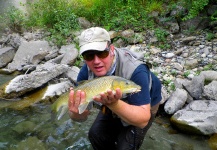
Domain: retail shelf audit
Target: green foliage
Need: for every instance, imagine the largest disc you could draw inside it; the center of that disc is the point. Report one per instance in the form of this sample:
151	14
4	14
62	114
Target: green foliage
172	86
161	34
154	6
208	67
186	73
121	14
214	16
55	15
195	6
210	36
14	18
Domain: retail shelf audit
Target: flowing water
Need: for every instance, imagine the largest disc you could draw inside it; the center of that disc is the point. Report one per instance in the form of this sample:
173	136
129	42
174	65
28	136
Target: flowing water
35	128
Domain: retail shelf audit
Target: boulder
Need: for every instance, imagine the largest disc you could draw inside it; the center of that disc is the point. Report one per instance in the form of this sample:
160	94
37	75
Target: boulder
27	82
199	117
32	52
6	55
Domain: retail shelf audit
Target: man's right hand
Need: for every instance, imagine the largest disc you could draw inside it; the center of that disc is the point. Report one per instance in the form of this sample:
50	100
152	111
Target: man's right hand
75	99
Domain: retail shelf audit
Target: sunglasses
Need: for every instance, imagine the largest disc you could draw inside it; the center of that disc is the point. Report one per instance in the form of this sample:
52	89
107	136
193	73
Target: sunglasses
89	55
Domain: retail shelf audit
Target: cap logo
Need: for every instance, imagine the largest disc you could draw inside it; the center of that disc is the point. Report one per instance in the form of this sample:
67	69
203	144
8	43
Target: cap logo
88	35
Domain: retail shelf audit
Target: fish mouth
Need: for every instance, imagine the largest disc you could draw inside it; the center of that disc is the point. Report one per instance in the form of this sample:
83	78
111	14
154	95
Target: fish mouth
134	90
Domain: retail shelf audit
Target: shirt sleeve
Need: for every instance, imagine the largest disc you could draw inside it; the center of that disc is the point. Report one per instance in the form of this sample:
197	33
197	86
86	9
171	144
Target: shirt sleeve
83	73
141	77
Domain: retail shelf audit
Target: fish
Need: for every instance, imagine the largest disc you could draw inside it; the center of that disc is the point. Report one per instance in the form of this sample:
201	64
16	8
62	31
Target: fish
93	88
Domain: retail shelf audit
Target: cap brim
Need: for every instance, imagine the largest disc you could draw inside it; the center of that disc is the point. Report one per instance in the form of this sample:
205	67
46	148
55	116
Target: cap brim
100	46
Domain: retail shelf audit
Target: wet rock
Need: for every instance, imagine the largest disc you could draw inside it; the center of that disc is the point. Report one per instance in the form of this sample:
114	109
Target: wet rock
57	89
31	143
24	127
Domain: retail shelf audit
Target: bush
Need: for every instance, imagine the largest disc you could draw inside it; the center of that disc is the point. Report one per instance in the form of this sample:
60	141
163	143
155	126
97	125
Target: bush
195	6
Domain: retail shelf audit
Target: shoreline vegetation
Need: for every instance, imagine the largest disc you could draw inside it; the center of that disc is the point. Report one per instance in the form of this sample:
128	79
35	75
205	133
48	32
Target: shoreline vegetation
60	17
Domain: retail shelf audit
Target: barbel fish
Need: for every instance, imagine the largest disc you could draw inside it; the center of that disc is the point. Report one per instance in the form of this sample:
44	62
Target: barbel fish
93	88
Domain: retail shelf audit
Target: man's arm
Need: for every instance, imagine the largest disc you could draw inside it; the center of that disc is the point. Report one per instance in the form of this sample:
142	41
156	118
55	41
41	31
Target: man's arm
131	114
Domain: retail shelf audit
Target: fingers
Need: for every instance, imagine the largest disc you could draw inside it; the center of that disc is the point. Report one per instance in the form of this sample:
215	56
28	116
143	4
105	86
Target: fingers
118	93
75	99
109	97
71	101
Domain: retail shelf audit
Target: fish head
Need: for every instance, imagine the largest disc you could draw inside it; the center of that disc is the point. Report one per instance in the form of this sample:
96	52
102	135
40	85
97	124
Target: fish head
126	86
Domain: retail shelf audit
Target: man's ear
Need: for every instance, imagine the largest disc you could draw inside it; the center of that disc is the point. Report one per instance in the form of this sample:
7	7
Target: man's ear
112	49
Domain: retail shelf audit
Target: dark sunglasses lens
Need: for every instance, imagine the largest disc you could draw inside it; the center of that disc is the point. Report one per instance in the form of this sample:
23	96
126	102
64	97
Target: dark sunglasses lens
90	55
102	54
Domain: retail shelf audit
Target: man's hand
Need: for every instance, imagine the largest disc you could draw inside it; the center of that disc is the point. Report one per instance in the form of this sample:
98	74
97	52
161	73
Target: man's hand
75	99
109	98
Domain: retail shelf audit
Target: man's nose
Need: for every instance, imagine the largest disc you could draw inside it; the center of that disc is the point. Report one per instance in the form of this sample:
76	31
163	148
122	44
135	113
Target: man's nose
96	59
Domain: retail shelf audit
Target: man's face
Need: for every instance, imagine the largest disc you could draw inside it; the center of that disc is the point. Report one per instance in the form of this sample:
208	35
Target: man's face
100	66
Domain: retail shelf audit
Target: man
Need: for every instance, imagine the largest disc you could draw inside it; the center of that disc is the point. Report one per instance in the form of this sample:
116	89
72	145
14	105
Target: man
126	120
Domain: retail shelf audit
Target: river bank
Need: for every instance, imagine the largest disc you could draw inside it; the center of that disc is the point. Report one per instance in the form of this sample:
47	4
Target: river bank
41	132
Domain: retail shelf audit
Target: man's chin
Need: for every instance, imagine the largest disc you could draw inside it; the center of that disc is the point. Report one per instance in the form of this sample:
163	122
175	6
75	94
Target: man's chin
100	74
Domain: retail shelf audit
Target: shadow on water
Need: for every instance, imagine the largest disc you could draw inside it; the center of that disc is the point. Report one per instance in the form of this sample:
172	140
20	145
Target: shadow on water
33	128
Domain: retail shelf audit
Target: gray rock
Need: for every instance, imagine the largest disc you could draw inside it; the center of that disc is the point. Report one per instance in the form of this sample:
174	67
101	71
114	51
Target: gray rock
195	87
6	55
199	117
29	53
70	55
210	91
27	82
176	101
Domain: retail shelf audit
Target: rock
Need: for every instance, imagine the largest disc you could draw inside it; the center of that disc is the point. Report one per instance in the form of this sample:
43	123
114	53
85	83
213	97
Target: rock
195	87
70	55
210	91
72	73
199	117
6	55
57	89
24	83
29	53
24	127
176	101
84	23
31	143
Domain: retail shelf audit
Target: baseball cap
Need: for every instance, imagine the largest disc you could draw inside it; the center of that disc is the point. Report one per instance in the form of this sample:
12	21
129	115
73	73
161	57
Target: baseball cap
94	38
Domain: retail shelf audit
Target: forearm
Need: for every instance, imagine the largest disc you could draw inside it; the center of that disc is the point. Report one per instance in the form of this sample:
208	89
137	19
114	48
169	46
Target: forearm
131	114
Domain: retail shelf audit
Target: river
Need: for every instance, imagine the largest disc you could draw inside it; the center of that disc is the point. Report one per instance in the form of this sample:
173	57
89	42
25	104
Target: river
35	128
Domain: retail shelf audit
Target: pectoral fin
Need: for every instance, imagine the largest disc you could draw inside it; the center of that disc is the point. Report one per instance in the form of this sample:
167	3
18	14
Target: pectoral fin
82	107
63	111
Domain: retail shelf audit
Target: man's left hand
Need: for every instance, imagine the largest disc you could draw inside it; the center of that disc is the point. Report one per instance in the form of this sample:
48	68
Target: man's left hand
109	98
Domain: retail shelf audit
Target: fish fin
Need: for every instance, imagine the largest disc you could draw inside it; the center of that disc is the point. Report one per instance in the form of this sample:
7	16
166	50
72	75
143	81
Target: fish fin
82	107
61	112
